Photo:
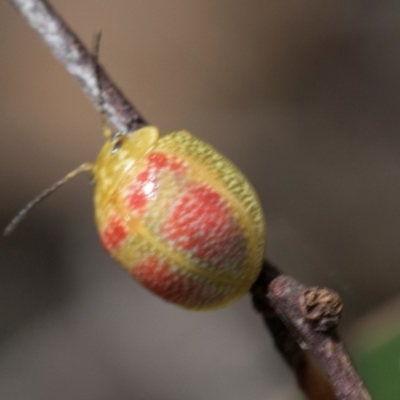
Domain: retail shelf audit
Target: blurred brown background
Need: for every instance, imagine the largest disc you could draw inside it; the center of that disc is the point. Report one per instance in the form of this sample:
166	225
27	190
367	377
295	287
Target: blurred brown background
304	96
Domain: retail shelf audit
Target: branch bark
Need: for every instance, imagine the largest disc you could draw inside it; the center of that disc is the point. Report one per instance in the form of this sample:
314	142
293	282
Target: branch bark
302	320
81	64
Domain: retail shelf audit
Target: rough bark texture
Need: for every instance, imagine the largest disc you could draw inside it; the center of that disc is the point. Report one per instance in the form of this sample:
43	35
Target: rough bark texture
303	321
81	64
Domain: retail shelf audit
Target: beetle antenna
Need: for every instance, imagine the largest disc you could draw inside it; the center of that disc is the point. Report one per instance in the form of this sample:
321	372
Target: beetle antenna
22	213
96	54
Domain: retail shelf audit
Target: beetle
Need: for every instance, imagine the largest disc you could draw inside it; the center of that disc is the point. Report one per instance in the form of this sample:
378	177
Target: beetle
176	215
179	217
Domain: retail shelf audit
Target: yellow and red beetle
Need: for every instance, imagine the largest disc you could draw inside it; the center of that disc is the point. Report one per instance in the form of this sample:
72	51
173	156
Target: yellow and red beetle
177	215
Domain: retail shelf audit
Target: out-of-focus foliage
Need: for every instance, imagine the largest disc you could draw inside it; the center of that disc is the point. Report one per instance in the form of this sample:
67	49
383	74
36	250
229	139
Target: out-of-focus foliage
377	355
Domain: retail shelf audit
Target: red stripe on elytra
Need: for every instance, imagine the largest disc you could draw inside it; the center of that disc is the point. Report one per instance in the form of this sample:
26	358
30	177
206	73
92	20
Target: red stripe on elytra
160	161
145	185
201	222
114	234
157	160
139	192
170	284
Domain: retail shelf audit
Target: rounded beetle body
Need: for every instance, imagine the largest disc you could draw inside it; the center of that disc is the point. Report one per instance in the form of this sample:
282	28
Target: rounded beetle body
179	217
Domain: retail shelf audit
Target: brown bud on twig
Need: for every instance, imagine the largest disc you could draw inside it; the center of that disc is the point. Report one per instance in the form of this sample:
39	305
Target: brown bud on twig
322	307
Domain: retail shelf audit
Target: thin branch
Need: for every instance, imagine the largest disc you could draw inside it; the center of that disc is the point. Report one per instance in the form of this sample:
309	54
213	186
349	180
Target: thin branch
81	64
302	320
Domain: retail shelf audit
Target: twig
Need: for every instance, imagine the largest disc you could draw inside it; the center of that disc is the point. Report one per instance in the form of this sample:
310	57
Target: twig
302	320
78	61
